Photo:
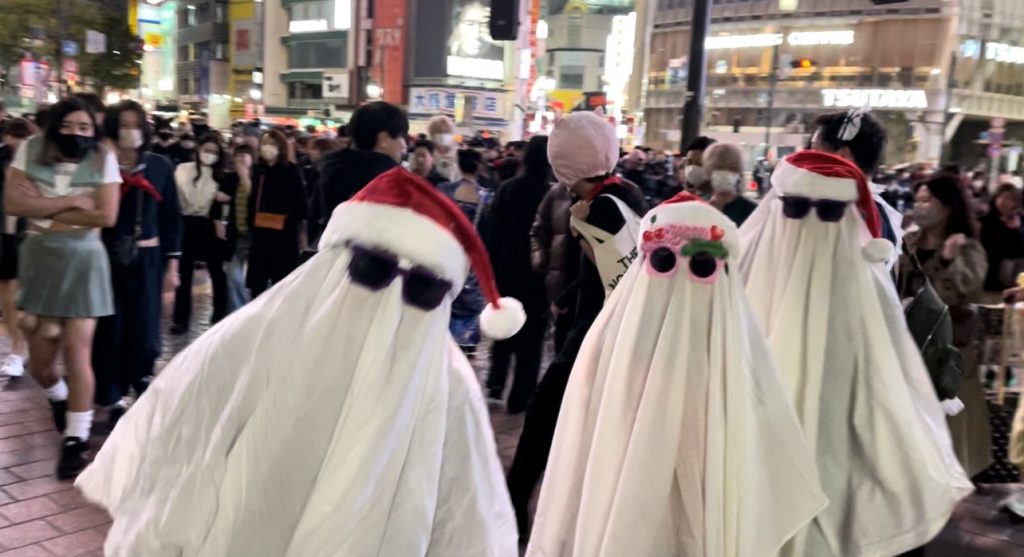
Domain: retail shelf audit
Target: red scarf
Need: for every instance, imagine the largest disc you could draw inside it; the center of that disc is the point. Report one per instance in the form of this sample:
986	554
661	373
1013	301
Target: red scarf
597	189
129	181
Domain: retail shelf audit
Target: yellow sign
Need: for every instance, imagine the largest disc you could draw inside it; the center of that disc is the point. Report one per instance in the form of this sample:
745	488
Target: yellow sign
155	40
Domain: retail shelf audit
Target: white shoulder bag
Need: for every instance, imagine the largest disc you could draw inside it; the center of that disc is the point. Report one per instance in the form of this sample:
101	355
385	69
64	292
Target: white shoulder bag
612	252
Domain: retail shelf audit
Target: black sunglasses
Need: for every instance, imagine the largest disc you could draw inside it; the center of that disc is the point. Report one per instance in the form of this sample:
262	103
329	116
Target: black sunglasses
376	269
798	207
703	266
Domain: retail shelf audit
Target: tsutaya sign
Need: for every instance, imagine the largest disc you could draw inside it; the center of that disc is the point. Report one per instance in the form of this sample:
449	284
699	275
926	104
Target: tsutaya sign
796	38
875	98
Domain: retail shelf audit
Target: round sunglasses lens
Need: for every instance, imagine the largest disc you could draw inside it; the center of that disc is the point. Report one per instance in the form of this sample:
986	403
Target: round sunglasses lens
831	211
423	289
662	260
372	270
703	265
796	207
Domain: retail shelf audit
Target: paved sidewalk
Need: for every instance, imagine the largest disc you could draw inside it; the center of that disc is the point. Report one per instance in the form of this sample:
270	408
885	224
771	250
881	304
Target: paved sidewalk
42	517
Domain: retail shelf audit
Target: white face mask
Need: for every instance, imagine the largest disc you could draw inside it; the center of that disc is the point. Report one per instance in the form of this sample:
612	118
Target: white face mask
269	153
724	181
129	139
443	139
208	159
695	175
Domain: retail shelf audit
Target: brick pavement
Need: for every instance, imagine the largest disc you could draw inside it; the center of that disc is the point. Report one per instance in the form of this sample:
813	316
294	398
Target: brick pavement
42	517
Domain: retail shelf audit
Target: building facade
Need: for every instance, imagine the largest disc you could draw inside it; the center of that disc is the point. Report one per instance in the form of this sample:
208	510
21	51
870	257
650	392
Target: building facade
931	70
202	52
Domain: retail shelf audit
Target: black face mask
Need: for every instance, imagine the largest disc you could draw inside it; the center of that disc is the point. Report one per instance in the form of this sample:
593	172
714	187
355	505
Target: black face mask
73	146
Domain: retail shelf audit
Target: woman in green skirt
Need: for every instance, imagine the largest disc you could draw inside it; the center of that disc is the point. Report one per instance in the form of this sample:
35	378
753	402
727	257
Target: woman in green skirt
65	182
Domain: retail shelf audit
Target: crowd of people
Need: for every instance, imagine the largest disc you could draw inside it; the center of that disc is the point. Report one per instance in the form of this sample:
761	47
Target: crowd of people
349	251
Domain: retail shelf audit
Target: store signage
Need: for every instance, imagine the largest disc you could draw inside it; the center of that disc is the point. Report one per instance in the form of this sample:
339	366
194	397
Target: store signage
875	98
796	38
471	50
1004	53
429	101
307	25
335	85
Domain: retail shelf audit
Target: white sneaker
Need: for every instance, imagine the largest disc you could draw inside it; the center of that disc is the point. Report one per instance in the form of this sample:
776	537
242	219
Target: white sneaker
13	366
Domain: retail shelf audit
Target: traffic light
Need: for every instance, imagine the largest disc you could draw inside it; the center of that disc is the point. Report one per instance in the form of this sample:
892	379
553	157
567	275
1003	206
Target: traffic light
802	64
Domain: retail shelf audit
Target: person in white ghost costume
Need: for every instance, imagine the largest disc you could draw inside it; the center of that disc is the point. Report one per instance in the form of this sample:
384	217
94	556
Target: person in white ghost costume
333	416
676	437
814	268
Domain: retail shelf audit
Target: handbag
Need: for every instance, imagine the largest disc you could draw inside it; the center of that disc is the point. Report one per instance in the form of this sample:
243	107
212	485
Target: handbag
126	248
931	326
269	221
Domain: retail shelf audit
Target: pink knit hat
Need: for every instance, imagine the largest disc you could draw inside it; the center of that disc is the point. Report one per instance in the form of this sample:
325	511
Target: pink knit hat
582	145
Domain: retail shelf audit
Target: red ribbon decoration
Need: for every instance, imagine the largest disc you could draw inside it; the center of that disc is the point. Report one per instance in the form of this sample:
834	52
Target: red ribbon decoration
139	181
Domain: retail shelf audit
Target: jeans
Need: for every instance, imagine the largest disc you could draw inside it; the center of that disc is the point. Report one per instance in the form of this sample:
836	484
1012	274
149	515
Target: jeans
238	294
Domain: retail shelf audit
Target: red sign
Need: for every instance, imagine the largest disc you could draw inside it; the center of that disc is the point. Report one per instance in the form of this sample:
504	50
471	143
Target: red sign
241	40
389	48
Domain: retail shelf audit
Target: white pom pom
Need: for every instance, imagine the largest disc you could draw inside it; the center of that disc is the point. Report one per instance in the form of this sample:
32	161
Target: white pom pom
503	321
952	406
877	250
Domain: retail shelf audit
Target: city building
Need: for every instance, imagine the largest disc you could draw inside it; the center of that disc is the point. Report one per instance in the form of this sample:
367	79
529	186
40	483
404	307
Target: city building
202	52
155	22
245	20
945	77
455	67
306	62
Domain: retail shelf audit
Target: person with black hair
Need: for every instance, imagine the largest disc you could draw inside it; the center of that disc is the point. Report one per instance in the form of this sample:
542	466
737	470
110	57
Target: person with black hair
697	180
512	215
857	136
1002	236
66	182
15	132
378	131
951	257
423	162
276	214
143	247
239	235
93	101
163	141
475	202
184	150
319	148
205	187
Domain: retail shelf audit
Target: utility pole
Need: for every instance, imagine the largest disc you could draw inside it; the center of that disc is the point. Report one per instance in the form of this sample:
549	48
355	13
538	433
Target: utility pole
696	79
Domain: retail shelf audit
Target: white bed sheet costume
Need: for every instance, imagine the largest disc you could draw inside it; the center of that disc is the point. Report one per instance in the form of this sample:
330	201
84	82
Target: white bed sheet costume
817	283
676	437
324	419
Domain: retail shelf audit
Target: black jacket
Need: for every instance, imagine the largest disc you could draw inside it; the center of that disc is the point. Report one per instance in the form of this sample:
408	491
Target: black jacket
346	172
512	215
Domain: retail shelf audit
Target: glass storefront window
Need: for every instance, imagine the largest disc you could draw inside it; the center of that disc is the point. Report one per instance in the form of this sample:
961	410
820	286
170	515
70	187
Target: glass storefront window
317	54
300	91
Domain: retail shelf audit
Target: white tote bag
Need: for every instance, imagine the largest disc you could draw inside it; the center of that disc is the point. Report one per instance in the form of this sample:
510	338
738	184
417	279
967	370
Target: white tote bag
612	252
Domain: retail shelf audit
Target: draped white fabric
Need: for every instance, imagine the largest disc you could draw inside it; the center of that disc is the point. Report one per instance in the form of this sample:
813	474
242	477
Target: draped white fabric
322	419
857	381
675	437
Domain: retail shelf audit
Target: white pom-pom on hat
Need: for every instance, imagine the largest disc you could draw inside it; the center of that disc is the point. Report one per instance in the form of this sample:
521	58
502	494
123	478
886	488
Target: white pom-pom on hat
952	406
503	320
877	250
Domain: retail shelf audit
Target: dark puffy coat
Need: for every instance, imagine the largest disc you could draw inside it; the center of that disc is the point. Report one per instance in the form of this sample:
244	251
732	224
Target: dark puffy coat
554	252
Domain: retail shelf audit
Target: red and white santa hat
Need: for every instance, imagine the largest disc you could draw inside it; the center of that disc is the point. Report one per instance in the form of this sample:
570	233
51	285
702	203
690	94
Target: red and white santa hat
402	213
819	175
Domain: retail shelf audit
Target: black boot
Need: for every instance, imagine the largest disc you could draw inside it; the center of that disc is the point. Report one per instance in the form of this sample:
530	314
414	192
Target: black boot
72	458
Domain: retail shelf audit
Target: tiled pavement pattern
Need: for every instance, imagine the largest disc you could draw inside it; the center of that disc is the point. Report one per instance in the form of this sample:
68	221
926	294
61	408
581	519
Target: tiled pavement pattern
42	517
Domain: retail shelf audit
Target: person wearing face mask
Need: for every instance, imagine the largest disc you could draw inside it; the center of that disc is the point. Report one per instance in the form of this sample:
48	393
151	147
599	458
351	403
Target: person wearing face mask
15	132
697	179
163	142
205	188
1002	236
277	211
66	182
944	241
724	163
184	150
143	247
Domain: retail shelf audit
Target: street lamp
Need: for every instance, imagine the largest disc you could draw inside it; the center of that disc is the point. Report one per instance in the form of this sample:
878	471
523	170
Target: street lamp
373	90
255	94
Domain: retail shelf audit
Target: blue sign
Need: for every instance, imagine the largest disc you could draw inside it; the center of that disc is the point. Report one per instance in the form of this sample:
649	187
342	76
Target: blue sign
69	48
